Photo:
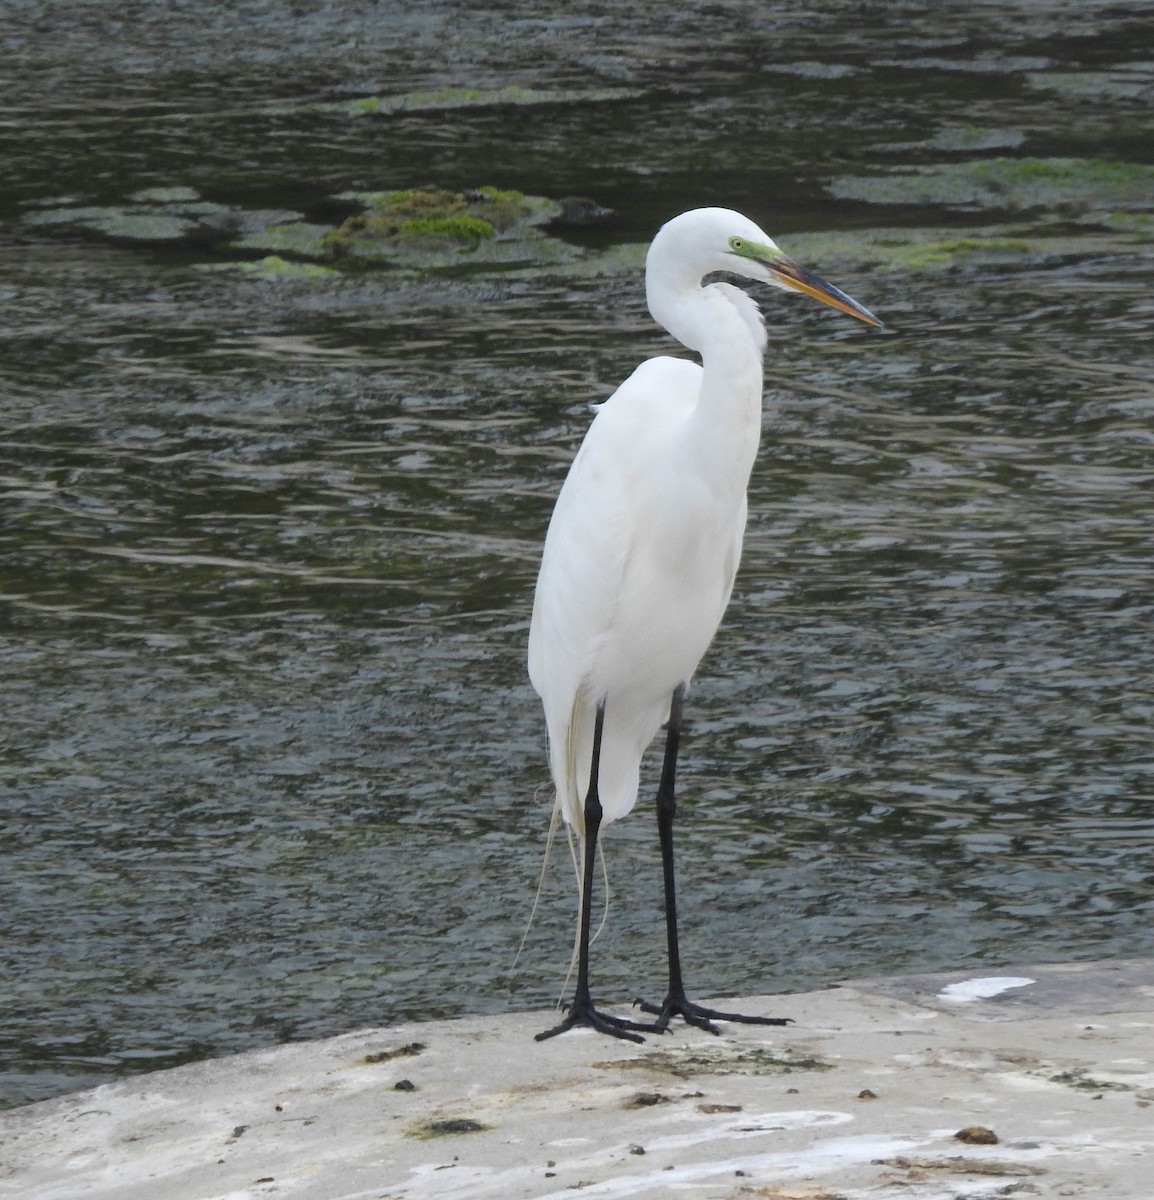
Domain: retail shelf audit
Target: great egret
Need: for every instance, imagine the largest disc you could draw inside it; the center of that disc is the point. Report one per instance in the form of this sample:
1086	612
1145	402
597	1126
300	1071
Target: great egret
642	550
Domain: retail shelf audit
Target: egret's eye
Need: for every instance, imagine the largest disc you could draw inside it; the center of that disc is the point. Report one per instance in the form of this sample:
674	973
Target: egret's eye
736	243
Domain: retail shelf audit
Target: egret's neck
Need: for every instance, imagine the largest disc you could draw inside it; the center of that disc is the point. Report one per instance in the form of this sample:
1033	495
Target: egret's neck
725	327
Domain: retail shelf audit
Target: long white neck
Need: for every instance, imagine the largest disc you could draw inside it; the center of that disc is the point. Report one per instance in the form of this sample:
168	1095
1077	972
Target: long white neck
725	327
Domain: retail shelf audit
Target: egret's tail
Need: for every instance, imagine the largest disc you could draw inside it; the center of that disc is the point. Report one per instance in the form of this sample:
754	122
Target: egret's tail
566	775
619	759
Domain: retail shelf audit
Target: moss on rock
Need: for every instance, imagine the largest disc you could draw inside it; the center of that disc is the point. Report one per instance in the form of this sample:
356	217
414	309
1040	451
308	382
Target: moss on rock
426	219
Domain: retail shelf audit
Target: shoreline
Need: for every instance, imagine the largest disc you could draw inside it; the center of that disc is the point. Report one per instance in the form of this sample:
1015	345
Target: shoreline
1045	1072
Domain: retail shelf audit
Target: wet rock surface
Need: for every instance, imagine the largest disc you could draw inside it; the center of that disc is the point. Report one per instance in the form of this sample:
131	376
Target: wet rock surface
1040	1099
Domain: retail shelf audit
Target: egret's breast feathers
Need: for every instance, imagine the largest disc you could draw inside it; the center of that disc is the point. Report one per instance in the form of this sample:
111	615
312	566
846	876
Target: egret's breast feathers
632	584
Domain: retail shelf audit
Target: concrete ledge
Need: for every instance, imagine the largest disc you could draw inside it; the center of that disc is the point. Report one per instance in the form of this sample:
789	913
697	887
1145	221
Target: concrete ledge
1037	1082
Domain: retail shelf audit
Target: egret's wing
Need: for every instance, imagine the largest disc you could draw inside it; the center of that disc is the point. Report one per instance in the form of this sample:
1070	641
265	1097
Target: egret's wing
589	535
585	558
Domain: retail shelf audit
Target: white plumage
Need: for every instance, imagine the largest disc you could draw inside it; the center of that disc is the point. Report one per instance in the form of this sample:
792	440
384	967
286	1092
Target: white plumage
645	539
638	566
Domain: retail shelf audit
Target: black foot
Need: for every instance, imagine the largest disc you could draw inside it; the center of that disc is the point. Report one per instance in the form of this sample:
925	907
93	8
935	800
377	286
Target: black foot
582	1012
676	1005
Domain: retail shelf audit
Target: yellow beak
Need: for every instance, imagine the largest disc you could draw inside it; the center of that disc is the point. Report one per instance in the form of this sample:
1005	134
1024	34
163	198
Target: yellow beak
794	275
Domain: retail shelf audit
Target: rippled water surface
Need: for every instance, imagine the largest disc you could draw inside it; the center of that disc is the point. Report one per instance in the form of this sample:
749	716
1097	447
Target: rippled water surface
270	766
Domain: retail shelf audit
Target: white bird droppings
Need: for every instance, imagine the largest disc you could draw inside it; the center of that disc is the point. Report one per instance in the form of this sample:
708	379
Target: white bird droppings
981	989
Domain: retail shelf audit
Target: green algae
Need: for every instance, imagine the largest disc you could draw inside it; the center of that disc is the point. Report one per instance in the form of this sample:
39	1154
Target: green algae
466	229
161	214
428	217
299	238
141	222
124	224
1064	184
435	227
272	266
418	229
417	219
930	250
414	228
957	251
1129	221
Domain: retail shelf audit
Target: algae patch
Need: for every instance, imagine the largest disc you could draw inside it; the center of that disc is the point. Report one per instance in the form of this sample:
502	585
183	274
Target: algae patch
169	215
424	220
686	1063
409	1050
972	138
444	1127
296	237
437	227
272	267
1082	1082
417	228
161	221
1067	184
931	250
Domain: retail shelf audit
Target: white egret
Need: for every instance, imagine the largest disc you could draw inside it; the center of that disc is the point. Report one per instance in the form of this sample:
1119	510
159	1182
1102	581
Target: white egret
642	550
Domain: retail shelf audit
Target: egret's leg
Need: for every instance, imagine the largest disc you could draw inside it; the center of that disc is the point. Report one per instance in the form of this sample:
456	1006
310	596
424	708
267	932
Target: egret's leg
676	1003
582	1011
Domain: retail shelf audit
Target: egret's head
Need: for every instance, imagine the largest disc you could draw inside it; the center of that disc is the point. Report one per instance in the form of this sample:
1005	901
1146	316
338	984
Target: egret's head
718	239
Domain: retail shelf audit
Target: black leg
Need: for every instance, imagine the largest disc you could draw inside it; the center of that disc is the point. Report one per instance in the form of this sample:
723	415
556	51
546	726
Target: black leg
582	1011
676	1003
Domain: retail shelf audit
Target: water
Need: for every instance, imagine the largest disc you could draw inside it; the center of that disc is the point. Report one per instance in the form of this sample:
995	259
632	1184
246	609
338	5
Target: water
270	767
